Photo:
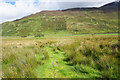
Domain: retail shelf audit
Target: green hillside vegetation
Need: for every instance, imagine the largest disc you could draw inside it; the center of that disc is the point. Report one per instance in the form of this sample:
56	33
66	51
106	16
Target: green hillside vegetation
63	23
72	43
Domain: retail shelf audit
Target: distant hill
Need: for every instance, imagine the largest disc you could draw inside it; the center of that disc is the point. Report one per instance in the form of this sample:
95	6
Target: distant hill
65	22
111	6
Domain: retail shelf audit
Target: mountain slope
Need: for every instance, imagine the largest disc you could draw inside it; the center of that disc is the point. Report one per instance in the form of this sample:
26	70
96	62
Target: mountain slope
113	5
70	21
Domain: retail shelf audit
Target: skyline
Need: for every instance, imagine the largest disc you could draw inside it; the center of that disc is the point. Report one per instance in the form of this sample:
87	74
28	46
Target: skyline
15	9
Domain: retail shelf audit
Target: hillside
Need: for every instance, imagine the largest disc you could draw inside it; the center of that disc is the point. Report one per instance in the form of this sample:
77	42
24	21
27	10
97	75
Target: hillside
111	6
65	22
73	43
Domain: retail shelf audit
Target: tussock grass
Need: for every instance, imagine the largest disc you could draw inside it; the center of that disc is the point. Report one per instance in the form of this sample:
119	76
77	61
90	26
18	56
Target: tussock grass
90	57
100	54
18	62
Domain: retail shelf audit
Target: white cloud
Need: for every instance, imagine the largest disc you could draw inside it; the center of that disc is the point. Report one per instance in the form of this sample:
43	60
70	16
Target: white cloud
76	0
22	8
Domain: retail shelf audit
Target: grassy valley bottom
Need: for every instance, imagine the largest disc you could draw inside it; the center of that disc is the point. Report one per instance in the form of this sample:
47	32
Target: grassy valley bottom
92	56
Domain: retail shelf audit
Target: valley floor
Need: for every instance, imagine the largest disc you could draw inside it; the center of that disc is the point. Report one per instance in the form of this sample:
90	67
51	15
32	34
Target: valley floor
92	56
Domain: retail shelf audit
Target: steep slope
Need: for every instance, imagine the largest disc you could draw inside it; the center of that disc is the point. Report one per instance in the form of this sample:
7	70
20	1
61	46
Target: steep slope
111	6
60	22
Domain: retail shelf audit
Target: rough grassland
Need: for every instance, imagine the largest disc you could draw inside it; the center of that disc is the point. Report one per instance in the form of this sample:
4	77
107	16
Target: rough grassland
63	23
93	56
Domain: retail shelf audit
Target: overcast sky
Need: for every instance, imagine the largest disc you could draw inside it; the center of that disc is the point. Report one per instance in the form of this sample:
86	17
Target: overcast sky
15	9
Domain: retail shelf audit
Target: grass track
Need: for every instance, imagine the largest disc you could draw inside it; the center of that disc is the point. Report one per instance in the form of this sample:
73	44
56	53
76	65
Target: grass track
57	67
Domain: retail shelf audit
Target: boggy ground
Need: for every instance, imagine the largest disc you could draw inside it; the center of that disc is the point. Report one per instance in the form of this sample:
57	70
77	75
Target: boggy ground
93	56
